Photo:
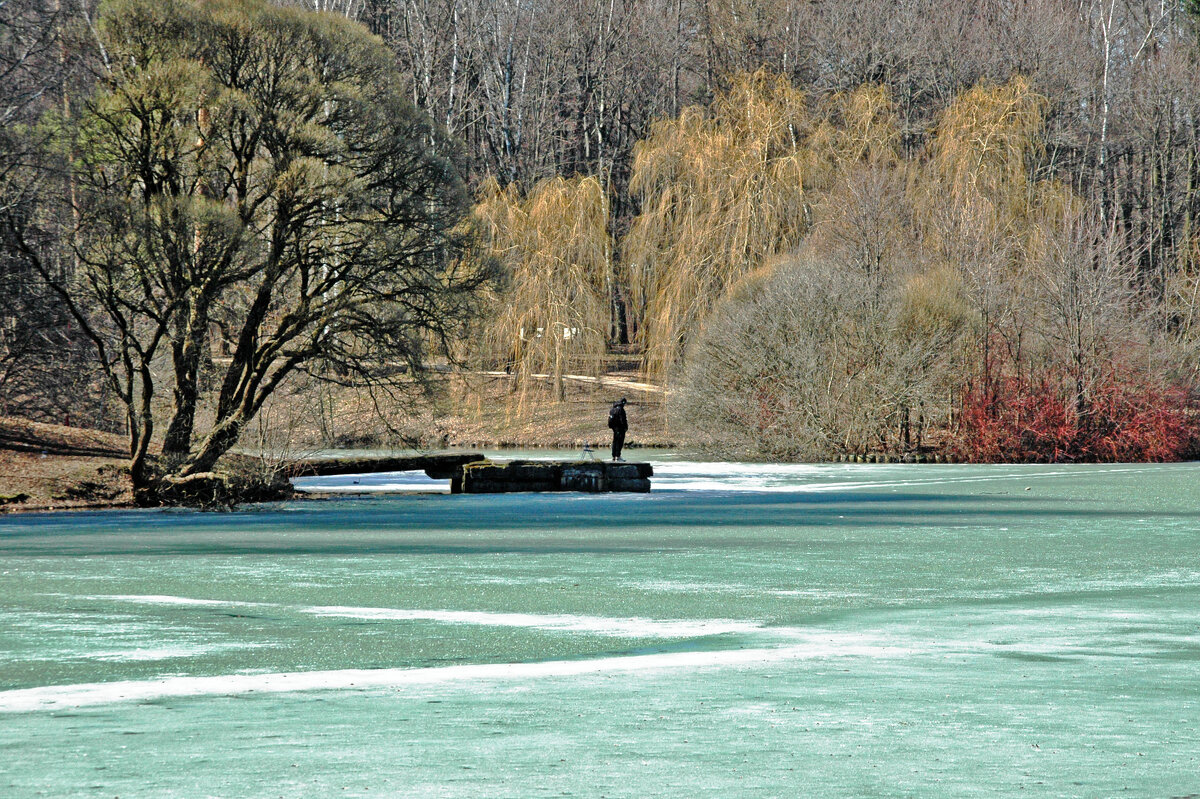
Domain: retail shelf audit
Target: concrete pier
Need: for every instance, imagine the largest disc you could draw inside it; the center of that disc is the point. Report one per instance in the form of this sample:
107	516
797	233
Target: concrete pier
472	473
496	477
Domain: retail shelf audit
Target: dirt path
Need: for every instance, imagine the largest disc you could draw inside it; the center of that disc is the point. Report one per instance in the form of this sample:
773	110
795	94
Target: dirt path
603	382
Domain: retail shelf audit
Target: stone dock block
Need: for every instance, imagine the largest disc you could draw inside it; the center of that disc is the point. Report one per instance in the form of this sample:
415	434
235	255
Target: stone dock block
626	471
495	477
583	477
484	486
637	485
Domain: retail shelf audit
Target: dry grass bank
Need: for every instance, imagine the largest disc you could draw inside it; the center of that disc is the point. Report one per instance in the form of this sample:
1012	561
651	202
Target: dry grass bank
489	412
46	466
476	410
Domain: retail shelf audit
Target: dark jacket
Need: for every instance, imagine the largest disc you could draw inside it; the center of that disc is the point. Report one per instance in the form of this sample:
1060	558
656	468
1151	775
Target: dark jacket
616	418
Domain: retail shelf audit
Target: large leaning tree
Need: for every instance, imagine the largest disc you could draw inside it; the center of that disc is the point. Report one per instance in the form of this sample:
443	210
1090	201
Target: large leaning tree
249	186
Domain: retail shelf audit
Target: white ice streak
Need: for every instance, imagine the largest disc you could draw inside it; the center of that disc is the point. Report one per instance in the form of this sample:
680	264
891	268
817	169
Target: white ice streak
60	697
807	478
675	586
160	599
621	628
633	627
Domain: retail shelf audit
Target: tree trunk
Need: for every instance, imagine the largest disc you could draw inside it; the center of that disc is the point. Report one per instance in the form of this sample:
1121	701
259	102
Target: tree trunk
178	440
560	389
216	444
186	352
141	426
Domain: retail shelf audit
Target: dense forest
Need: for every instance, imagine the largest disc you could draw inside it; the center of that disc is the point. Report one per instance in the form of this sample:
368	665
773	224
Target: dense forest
827	228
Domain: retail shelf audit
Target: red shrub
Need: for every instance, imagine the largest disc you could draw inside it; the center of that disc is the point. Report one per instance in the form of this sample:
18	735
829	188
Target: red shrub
1124	419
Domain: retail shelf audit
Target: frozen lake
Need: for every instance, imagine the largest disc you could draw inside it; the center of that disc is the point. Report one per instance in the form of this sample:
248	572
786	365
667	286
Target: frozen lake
743	630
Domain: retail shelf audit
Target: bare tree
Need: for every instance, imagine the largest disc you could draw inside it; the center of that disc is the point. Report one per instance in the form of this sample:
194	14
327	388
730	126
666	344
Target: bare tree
252	170
1089	313
44	368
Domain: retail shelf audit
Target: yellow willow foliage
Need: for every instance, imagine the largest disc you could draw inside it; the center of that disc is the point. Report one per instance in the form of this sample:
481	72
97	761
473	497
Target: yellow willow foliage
982	149
721	189
557	252
862	125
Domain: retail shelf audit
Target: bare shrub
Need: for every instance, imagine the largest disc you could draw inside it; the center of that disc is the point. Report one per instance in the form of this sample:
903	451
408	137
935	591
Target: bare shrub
808	361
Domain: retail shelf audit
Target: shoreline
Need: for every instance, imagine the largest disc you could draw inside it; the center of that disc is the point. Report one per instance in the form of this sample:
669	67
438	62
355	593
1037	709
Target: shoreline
55	469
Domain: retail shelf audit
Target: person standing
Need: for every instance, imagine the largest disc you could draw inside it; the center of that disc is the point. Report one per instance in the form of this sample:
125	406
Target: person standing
618	423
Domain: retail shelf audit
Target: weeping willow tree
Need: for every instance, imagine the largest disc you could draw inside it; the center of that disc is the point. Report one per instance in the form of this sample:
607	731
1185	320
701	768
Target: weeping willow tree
982	154
557	254
859	127
873	331
721	189
978	206
862	220
1047	281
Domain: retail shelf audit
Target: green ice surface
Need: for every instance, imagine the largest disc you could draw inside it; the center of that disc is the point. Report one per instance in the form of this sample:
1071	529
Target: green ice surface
847	630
